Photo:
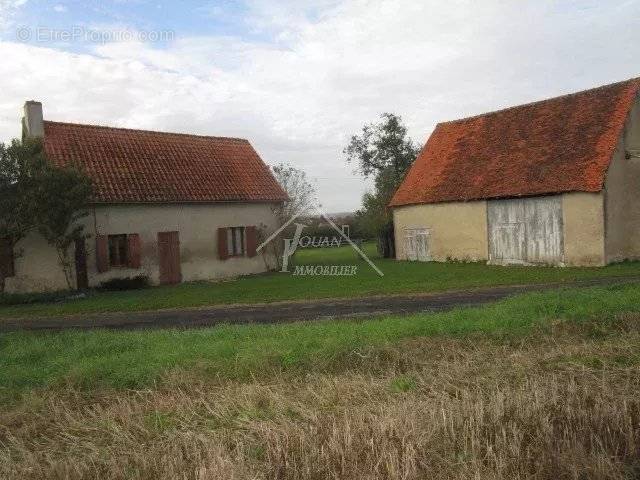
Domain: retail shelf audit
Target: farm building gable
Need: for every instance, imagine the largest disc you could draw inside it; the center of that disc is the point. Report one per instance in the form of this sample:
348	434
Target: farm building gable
555	182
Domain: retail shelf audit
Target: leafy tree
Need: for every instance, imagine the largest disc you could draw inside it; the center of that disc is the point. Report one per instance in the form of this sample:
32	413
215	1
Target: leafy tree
62	195
384	152
35	194
382	147
19	164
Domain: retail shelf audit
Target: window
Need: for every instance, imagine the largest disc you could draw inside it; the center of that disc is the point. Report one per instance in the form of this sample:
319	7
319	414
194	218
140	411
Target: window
118	251
235	241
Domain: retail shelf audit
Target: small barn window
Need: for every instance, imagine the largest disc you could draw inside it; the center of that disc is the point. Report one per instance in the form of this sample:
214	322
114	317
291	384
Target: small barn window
632	154
236	241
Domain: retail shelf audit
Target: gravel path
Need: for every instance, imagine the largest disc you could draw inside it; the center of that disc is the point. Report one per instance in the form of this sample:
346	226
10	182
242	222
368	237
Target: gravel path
291	311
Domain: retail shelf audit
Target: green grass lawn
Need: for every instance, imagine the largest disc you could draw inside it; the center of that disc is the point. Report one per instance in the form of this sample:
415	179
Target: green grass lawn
399	277
136	359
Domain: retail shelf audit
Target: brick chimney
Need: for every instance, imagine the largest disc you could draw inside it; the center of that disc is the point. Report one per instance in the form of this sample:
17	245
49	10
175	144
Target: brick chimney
32	122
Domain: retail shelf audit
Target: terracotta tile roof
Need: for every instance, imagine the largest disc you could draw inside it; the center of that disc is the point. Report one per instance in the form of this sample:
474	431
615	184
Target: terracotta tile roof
558	145
130	166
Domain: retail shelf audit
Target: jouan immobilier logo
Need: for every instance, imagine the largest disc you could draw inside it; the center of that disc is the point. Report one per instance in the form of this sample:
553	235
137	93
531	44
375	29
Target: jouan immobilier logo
305	241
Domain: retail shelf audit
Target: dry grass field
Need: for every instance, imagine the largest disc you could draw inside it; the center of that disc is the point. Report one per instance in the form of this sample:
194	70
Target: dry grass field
559	402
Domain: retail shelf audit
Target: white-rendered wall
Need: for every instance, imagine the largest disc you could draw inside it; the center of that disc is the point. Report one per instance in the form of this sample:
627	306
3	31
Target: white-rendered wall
38	268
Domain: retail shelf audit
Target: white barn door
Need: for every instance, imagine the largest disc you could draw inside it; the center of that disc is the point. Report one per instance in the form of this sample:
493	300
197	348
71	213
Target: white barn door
526	230
417	244
509	245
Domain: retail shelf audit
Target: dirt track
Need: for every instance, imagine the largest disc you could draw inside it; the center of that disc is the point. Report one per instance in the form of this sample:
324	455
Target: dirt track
291	311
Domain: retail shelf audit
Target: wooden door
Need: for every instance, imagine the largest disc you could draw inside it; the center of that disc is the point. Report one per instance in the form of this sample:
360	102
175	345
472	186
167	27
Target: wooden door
545	243
507	243
526	230
82	279
410	245
417	244
169	257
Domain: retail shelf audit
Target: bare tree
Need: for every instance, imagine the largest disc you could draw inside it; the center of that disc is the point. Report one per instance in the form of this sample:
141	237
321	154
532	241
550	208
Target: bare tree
302	200
302	195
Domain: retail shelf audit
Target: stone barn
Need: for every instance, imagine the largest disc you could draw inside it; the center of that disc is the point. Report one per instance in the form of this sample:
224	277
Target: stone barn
554	182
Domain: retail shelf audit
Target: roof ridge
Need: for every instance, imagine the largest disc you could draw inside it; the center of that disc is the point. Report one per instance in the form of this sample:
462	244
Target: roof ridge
107	127
543	101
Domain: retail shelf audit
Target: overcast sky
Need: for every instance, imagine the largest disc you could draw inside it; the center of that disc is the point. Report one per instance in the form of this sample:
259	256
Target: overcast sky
298	77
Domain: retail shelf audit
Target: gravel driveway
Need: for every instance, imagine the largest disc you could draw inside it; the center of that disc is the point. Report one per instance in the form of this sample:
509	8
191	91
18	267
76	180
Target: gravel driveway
292	311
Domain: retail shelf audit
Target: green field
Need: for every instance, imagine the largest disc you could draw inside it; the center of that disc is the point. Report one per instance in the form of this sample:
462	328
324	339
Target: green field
138	359
399	277
543	385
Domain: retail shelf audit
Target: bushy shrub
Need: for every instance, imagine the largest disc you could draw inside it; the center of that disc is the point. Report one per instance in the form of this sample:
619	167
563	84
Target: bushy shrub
129	283
30	298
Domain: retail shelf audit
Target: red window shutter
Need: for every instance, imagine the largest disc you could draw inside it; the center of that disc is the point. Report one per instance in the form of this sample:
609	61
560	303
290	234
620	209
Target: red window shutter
133	250
7	267
252	240
223	250
102	253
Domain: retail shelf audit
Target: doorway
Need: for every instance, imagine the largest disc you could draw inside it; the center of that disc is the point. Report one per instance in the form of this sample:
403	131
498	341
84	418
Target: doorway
82	279
417	244
169	257
526	230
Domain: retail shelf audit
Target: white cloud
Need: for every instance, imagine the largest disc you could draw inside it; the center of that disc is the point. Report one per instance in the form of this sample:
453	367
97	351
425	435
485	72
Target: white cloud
8	9
331	69
59	8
